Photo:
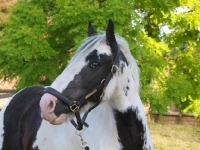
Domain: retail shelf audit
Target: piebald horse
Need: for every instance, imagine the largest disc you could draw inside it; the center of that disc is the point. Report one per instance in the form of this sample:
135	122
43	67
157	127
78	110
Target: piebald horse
98	92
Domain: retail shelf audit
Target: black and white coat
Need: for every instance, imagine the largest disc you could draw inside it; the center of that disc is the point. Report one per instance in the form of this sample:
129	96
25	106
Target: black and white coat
118	123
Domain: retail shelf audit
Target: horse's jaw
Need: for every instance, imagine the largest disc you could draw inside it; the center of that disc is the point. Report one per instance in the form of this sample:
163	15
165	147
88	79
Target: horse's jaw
47	106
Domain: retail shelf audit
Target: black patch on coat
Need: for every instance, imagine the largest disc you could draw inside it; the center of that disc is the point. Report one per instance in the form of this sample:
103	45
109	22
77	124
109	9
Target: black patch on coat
131	130
89	78
36	148
126	89
22	119
122	66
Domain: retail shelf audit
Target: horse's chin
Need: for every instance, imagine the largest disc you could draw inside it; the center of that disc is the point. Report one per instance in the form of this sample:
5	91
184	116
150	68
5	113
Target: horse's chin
59	120
53	119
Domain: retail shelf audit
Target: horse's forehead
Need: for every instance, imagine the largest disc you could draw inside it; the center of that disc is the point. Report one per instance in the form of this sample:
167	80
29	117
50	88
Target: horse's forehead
103	49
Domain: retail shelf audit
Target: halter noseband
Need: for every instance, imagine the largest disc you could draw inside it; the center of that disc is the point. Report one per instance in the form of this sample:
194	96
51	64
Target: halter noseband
76	105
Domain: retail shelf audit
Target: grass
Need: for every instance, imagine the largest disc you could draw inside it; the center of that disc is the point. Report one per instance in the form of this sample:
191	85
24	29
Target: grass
175	136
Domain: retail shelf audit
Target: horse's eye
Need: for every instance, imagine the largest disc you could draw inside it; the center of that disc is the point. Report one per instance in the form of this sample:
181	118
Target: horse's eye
94	65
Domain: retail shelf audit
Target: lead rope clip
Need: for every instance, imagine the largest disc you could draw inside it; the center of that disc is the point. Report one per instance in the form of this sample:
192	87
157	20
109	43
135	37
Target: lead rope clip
84	144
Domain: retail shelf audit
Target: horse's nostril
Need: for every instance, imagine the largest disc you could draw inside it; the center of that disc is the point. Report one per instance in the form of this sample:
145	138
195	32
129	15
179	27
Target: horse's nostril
51	105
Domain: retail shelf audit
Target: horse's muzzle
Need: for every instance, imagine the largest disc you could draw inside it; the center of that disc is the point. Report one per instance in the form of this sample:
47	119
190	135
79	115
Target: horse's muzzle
47	106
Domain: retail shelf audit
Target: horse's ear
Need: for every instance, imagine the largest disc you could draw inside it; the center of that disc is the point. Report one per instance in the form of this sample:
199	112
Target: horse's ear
110	36
91	30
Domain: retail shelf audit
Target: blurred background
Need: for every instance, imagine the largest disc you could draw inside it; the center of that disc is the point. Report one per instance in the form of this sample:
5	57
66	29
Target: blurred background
38	38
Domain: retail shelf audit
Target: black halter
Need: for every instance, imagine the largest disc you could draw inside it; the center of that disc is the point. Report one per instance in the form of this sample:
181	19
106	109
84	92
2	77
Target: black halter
76	105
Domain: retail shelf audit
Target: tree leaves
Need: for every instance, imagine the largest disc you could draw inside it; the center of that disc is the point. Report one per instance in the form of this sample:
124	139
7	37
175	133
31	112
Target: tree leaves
40	36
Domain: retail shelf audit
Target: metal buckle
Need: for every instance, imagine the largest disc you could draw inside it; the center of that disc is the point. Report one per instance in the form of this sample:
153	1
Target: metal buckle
102	81
74	106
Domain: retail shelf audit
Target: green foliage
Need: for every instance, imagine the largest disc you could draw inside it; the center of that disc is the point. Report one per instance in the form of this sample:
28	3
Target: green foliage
24	49
40	36
5	10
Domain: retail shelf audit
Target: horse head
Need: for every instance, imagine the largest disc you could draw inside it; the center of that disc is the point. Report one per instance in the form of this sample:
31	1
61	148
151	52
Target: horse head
85	79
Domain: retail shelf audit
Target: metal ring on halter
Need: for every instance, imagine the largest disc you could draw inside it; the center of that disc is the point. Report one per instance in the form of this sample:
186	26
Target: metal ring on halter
113	69
78	132
103	81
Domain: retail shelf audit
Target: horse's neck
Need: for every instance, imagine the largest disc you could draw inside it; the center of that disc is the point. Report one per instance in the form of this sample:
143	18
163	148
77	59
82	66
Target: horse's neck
102	131
128	111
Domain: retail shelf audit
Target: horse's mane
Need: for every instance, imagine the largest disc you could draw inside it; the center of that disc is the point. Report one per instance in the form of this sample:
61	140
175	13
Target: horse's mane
89	43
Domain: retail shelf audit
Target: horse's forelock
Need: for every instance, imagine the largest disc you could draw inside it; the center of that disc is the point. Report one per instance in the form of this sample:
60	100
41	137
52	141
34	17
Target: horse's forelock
88	45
